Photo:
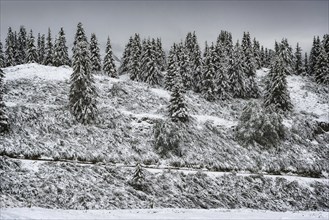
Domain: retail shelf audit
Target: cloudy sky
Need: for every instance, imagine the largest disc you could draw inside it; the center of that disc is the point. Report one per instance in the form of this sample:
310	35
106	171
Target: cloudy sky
268	21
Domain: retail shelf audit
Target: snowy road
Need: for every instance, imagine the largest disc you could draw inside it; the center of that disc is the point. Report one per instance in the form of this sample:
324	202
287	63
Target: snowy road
40	213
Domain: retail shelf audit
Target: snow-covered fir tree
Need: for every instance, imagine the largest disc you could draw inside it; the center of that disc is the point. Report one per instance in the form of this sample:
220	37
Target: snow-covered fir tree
80	36
135	72
195	58
184	67
32	54
298	60
125	61
82	97
314	53
248	56
208	89
325	42
150	70
288	56
108	63
249	67
257	54
95	54
41	49
221	61
2	57
10	49
22	44
61	56
306	64
48	59
161	55
206	50
236	74
38	46
172	68
262	57
4	126
276	90
177	104
322	67
16	52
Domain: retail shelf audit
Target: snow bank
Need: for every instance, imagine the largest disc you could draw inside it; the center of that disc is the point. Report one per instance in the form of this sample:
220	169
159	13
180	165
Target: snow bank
32	70
305	100
217	121
40	213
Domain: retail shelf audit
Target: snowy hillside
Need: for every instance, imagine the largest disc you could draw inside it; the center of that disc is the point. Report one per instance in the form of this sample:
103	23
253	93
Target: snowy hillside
43	128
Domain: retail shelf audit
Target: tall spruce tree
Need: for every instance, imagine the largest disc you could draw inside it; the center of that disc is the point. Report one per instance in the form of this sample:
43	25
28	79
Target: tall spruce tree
236	74
298	62
41	49
22	44
276	90
315	52
172	68
185	68
32	55
16	52
322	67
2	57
4	126
257	54
82	97
48	59
262	57
149	66
10	49
208	89
177	104
161	55
61	55
38	48
325	43
95	54
288	56
306	65
126	57
135	72
108	63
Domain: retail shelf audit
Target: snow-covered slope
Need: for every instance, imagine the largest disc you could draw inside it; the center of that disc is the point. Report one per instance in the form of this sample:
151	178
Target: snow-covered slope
42	127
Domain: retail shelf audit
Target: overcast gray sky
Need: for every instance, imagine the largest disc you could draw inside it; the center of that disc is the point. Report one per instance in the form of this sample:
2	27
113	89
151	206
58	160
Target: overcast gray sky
268	21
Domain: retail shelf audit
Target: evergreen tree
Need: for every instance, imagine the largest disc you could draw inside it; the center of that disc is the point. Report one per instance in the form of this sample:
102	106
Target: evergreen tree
177	104
41	49
108	64
48	59
249	67
276	91
79	36
287	56
2	57
135	72
257	54
95	54
149	66
262	57
161	55
306	66
172	68
22	44
32	55
236	74
206	50
126	57
4	126
249	61
298	62
315	52
16	52
38	47
325	43
61	56
82	97
322	67
208	76
10	50
184	68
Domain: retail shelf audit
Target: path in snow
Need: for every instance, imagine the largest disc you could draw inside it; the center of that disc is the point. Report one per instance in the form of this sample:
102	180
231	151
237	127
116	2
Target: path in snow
41	213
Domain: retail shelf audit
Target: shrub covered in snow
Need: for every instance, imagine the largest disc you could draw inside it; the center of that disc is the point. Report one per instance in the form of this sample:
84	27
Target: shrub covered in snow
258	125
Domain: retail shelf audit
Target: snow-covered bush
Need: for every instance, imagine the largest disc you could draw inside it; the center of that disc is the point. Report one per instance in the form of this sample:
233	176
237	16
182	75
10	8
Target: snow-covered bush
167	137
258	125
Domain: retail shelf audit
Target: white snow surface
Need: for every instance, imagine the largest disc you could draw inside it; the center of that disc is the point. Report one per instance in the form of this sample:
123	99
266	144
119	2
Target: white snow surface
305	100
36	70
41	213
217	121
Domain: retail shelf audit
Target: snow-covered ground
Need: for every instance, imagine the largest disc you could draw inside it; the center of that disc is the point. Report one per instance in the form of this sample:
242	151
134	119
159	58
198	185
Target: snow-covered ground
40	213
